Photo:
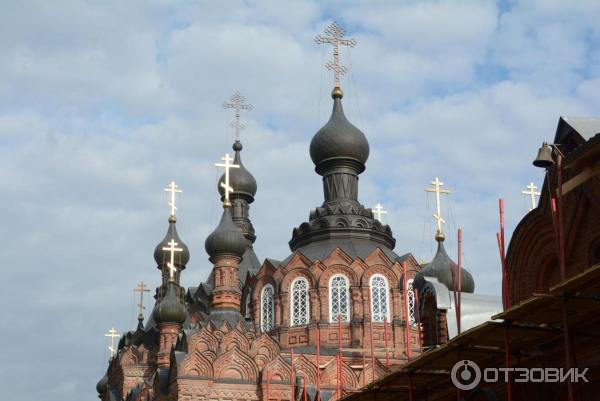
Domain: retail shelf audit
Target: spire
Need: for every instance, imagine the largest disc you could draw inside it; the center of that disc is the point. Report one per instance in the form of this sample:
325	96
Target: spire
441	266
171	254
339	151
141	288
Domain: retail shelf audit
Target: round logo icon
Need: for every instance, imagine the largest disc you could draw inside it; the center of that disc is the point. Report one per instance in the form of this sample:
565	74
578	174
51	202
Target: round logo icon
465	375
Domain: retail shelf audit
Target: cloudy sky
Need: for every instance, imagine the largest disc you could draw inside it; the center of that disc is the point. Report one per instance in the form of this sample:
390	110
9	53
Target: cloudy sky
103	103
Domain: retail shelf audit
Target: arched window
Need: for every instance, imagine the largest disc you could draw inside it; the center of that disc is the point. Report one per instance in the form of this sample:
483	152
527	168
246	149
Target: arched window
379	299
248	301
267	309
299	304
339	303
411	303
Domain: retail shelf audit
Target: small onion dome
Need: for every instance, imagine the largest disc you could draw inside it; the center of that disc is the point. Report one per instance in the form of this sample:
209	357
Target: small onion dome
339	139
162	257
441	268
227	239
170	309
102	385
240	178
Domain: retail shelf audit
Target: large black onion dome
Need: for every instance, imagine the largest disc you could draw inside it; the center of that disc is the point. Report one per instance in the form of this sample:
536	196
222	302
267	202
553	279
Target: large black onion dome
170	309
339	139
102	384
240	179
227	239
441	268
162	257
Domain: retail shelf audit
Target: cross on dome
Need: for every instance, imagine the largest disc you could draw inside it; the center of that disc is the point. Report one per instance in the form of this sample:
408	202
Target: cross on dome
437	184
172	248
227	165
532	192
112	333
237	102
141	288
173	189
335	33
379	212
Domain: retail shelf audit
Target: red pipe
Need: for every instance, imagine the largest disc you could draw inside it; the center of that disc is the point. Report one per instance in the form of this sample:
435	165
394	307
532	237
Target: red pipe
385	334
339	358
292	378
318	365
371	335
563	270
500	236
407	310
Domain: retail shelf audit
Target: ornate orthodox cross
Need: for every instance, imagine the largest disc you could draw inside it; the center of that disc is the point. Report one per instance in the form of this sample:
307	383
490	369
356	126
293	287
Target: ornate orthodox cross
227	165
335	33
532	187
112	333
237	102
379	212
437	184
141	288
172	248
173	189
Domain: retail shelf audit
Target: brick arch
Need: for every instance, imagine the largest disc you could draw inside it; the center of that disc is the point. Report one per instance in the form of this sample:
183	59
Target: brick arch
202	340
367	373
278	370
234	339
235	364
305	368
392	278
257	292
329	376
548	273
196	364
131	356
338	269
264	349
293	274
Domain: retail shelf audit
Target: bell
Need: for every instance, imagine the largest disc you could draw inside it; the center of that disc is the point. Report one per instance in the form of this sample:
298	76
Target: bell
544	157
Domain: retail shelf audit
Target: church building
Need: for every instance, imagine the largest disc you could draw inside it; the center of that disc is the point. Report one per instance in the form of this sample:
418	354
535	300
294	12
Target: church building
336	314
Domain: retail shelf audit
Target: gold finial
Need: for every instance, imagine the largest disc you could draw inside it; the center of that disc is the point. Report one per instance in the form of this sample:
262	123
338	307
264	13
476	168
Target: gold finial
335	33
227	165
437	184
237	102
141	288
379	212
112	333
532	187
173	189
172	248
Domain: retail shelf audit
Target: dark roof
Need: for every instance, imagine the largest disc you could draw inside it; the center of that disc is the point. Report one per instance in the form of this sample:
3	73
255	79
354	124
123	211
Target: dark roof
355	248
170	308
226	239
162	257
240	179
441	268
585	127
248	265
339	139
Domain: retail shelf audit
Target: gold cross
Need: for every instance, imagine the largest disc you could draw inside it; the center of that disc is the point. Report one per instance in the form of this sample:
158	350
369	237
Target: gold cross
112	333
171	265
141	288
438	216
379	212
227	165
532	187
237	102
173	188
335	34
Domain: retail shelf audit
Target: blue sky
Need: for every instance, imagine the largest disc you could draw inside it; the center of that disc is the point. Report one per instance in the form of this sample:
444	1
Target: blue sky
102	104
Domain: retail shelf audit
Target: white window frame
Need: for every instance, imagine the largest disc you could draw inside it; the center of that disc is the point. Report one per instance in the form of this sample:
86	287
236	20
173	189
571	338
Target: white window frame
307	314
387	297
412	305
263	326
346	318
